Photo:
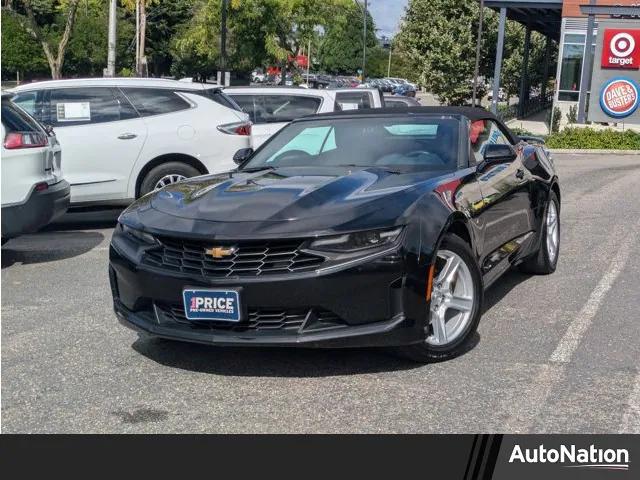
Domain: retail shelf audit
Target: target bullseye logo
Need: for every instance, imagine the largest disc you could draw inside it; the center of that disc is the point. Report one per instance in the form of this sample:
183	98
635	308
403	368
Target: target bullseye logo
619	97
621	49
622	44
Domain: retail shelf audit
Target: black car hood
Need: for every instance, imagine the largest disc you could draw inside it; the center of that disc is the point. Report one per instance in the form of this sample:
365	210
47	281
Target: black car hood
283	201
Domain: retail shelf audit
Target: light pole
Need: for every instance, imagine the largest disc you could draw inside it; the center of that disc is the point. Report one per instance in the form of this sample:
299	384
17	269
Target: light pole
476	70
389	65
111	44
364	40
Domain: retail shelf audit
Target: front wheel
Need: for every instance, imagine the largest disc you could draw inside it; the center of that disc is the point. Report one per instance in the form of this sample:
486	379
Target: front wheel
455	305
166	174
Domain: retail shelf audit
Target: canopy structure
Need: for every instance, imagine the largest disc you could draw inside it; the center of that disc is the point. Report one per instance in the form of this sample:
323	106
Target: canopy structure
543	16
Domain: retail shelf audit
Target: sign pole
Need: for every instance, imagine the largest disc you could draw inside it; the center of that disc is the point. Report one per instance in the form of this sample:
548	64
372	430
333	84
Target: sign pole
587	69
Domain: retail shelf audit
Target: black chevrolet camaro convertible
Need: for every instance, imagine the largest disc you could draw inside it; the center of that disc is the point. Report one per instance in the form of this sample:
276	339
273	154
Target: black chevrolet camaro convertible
366	228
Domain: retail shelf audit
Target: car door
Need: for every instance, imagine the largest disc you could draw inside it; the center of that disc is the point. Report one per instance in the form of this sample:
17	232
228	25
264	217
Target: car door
506	211
270	112
101	136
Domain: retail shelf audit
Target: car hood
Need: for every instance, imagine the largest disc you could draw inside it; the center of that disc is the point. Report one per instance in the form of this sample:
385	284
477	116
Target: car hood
283	201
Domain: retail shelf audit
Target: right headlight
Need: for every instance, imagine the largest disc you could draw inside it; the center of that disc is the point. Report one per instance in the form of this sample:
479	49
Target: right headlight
352	242
139	235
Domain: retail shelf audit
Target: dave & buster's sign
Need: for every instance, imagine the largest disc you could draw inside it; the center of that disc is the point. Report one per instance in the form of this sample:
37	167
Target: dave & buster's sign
621	49
619	97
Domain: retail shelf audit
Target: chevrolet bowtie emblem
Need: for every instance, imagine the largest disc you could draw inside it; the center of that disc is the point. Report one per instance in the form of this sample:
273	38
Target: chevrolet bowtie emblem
220	252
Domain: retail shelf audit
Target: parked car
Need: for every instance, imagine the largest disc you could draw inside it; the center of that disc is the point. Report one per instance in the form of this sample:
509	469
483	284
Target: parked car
271	108
34	191
395	101
404	90
123	138
359	228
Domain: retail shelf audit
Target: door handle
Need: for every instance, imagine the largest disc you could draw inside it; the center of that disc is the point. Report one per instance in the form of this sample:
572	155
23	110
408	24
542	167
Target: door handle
520	173
127	136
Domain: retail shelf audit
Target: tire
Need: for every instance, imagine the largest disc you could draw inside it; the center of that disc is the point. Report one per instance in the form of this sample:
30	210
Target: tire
541	262
164	170
427	351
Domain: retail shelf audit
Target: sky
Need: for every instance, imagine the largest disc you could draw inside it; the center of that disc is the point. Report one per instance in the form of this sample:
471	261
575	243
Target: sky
387	14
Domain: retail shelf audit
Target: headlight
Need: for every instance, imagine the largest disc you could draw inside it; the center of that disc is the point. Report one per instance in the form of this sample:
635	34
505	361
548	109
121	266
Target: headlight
351	242
139	235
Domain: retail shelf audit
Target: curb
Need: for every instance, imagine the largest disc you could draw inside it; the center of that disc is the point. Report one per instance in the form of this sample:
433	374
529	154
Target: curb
596	152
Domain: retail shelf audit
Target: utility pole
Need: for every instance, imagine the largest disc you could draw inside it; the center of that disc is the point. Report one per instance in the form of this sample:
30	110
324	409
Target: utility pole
308	61
364	41
111	53
138	37
143	34
476	70
389	65
223	41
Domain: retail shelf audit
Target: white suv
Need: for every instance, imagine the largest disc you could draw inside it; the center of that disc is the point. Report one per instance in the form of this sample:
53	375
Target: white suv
271	108
124	137
33	190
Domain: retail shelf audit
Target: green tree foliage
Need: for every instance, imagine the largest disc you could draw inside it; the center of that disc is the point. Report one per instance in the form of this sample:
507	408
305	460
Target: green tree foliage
341	47
440	37
20	51
50	23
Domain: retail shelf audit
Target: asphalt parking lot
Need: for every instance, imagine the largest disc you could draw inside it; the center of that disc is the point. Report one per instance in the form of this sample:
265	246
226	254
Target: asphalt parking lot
554	354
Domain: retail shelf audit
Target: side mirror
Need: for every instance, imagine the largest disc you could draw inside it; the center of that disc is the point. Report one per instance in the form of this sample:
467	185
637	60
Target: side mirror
499	153
242	155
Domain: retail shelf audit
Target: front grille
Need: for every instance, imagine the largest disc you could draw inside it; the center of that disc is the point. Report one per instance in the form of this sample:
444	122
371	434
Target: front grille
261	319
249	259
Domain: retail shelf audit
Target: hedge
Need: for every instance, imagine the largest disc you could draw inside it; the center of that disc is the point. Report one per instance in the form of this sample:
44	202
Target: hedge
590	139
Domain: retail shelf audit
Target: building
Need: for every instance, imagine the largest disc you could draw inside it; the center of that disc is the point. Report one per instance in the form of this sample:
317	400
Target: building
567	22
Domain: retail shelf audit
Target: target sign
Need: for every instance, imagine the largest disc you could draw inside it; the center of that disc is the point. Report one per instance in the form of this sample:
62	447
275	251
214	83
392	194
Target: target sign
621	49
619	97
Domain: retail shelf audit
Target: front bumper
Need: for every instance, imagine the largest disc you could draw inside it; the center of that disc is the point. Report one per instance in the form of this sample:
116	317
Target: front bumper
40	209
366	305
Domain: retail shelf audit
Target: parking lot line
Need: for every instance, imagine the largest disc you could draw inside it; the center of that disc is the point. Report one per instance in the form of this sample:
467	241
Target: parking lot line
581	323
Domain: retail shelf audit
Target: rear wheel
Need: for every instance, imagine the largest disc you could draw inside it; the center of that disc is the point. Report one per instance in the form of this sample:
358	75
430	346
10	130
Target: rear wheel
455	306
545	260
166	174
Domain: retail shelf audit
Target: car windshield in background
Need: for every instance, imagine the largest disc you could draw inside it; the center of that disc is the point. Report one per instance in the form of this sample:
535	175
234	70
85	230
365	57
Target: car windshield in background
422	143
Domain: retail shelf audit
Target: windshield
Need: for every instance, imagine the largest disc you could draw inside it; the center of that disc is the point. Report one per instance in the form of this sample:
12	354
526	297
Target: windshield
414	143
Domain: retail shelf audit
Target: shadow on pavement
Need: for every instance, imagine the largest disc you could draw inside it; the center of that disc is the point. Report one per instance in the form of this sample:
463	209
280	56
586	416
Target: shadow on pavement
270	362
275	362
49	247
502	287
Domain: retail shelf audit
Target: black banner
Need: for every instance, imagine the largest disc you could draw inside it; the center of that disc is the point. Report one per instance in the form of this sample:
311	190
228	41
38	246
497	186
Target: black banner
447	457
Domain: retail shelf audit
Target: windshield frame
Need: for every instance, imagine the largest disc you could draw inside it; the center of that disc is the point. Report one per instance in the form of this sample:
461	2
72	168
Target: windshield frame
464	149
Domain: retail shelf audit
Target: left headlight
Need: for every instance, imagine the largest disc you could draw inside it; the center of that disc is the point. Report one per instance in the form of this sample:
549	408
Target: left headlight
351	242
139	235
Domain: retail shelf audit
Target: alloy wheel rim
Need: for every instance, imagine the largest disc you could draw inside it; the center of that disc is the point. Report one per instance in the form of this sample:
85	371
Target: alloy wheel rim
552	231
168	180
452	299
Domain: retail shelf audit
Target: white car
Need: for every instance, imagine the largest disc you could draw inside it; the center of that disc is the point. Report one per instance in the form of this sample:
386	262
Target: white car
125	137
33	190
271	108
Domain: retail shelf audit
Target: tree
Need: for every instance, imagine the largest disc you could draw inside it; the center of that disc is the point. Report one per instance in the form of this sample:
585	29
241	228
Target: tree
44	20
20	52
341	48
439	36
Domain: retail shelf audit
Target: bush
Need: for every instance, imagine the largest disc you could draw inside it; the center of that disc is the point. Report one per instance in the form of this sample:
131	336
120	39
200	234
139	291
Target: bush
590	139
572	116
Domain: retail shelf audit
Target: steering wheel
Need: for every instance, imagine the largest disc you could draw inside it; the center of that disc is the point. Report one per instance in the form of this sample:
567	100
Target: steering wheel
430	155
290	155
